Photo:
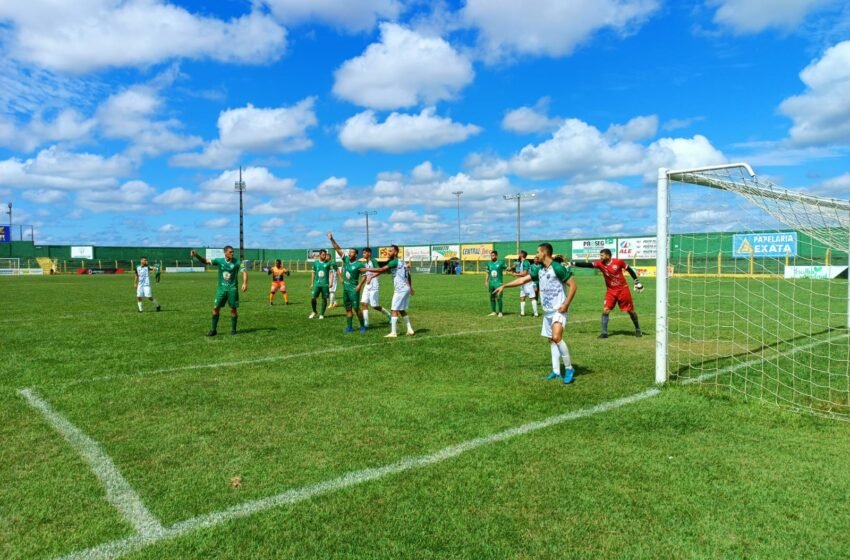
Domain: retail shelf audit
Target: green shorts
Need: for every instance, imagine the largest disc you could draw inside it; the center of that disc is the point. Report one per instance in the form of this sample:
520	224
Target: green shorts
324	290
230	296
350	297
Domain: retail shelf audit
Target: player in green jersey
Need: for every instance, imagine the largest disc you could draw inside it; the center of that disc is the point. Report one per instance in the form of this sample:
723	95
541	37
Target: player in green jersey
352	284
493	279
323	267
228	287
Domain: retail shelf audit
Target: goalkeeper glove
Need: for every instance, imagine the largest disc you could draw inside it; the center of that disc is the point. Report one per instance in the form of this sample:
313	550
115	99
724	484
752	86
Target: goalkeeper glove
638	286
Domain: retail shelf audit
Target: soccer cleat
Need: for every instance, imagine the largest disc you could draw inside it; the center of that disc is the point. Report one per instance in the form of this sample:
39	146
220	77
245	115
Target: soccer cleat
537	315
391	335
603	335
312	315
140	310
638	333
362	330
553	375
493	314
410	332
568	375
158	307
212	333
522	314
348	329
500	315
321	316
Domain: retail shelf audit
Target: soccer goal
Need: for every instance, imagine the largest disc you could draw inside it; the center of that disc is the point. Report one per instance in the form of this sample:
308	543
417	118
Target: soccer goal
752	291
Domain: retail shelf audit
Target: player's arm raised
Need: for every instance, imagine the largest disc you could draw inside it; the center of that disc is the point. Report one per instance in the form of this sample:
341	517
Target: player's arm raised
194	254
513	284
336	246
581	264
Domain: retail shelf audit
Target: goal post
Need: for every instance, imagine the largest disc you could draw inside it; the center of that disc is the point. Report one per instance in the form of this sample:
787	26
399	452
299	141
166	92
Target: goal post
755	301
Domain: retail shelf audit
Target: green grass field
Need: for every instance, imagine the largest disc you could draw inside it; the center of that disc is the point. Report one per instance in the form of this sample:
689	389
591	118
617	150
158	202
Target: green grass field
353	446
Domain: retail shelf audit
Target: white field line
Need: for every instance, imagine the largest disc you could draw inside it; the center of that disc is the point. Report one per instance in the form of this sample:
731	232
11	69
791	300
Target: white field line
119	493
754	361
284	357
121	547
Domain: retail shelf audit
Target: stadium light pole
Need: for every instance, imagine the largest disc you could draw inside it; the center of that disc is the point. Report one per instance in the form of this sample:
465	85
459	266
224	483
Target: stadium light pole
457	194
367	213
518	197
240	186
9	211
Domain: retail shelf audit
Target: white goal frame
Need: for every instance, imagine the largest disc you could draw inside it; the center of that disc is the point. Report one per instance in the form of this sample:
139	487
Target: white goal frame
663	239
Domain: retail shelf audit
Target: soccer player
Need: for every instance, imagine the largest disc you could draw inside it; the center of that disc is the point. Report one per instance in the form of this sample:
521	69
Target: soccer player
534	270
369	295
618	289
526	291
557	290
142	283
332	286
493	279
278	273
323	267
352	284
403	290
228	287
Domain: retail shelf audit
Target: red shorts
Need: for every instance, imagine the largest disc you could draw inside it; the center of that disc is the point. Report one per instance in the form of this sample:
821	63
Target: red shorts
621	296
278	287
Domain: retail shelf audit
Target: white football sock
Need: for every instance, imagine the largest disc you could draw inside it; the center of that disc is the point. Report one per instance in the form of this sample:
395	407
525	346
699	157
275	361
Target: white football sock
139	304
522	308
366	317
393	323
556	357
407	323
565	354
534	305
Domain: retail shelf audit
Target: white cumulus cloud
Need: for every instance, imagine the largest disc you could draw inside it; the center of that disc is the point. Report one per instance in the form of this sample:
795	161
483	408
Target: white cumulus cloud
343	14
402	132
529	120
404	69
753	16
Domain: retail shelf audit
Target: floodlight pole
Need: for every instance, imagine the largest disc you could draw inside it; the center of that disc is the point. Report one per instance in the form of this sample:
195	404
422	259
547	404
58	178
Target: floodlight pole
518	197
10	216
367	213
240	186
457	194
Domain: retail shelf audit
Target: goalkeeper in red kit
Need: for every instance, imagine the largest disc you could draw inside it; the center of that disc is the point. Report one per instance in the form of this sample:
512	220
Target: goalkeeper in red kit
618	289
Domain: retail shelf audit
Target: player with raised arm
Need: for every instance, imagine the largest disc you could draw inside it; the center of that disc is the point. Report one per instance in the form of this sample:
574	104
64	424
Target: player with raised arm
278	273
142	283
402	290
228	287
492	280
370	294
323	267
618	289
557	290
352	284
526	291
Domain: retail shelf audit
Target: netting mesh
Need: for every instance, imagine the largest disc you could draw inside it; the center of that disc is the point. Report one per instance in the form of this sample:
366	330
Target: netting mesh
760	307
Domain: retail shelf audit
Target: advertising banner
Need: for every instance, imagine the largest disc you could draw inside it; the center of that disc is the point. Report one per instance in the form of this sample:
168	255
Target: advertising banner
444	252
480	252
384	253
312	254
185	269
5	234
211	254
419	253
815	272
82	252
763	245
588	249
636	248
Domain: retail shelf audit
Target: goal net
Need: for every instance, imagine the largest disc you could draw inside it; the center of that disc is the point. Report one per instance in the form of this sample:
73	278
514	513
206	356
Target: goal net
756	301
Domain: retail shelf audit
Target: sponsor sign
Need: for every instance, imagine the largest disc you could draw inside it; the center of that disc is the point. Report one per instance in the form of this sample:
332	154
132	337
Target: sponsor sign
444	252
636	248
588	249
762	245
312	254
21	272
184	269
480	252
816	272
211	254
649	271
82	252
423	269
384	253
419	253
5	234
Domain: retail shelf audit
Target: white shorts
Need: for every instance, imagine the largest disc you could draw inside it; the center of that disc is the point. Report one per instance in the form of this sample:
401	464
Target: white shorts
370	297
143	291
400	300
550	319
527	290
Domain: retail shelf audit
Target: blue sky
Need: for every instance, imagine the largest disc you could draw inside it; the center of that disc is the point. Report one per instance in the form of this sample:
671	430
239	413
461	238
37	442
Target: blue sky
125	121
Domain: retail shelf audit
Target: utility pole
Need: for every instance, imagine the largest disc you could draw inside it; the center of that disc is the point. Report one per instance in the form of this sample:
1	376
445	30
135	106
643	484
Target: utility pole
518	197
367	213
457	194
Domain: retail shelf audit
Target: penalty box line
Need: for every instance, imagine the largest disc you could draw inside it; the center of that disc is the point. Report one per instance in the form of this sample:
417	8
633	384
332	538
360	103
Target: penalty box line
119	493
284	357
122	547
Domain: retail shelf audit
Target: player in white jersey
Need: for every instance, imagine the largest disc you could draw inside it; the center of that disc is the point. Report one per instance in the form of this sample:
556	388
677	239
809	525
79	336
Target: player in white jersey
402	290
370	295
555	280
332	283
142	283
526	291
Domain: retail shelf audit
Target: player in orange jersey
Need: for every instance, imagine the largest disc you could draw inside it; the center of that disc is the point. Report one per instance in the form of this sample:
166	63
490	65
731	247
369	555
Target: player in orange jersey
278	274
